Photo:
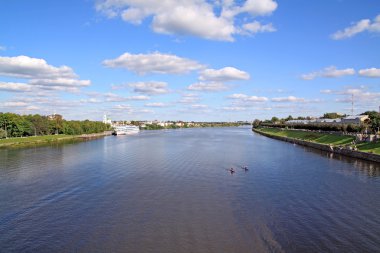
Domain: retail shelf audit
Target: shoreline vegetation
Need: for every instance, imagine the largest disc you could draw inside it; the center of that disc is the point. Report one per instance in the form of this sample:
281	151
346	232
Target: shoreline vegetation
26	130
30	130
15	125
341	144
187	125
28	141
48	139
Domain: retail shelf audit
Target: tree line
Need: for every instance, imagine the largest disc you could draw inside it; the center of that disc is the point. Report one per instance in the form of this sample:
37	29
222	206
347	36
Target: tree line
15	125
155	126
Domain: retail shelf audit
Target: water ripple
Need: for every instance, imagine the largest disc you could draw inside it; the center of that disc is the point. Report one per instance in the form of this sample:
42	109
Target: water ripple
169	191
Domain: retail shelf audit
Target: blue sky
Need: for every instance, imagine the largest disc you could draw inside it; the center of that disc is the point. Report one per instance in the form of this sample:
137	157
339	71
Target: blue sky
189	60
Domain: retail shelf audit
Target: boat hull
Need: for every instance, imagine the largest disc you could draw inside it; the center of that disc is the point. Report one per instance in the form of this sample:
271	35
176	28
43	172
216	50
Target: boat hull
125	130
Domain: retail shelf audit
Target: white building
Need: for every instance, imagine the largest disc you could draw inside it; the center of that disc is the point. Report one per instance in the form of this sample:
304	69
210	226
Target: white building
106	120
329	121
355	119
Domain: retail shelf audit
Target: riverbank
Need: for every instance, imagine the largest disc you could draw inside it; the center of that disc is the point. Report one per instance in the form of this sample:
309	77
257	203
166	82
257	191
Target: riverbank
340	144
45	139
193	125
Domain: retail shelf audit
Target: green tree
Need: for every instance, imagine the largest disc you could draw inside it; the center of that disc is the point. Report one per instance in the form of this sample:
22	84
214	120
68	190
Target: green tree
274	120
39	124
332	115
56	124
3	133
5	122
256	123
289	118
374	117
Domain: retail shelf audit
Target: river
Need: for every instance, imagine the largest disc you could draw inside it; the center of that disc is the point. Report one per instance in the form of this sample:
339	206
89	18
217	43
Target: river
171	191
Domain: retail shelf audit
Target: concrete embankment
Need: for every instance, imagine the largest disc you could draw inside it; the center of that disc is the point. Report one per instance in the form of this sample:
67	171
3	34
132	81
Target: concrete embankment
325	147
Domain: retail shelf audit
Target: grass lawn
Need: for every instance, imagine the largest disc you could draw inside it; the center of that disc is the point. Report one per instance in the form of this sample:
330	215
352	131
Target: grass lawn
34	139
323	138
310	136
369	147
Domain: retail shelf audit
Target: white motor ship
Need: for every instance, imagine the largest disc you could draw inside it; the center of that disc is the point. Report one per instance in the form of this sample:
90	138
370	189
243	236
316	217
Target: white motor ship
125	129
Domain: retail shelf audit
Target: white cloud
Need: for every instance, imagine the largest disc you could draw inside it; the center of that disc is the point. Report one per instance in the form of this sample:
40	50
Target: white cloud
59	88
138	98
156	63
333	72
14	104
244	101
156	104
27	67
257	27
196	109
128	109
32	108
246	98
330	72
91	101
196	20
327	91
288	99
199	106
190	95
263	108
60	82
260	7
2	48
361	96
234	108
40	74
223	75
348	32
123	107
112	97
150	88
310	76
372	72
188	17
358	27
208	86
46	105
189	98
15	87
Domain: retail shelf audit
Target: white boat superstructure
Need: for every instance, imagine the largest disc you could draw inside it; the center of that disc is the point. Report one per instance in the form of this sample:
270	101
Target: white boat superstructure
125	129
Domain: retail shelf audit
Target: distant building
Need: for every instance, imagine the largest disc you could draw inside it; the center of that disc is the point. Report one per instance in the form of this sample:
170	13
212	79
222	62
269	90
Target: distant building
180	124
106	120
164	124
354	120
357	120
299	122
329	121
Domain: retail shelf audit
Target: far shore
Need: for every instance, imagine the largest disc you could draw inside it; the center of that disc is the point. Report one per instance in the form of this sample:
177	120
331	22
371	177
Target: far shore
46	139
58	138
